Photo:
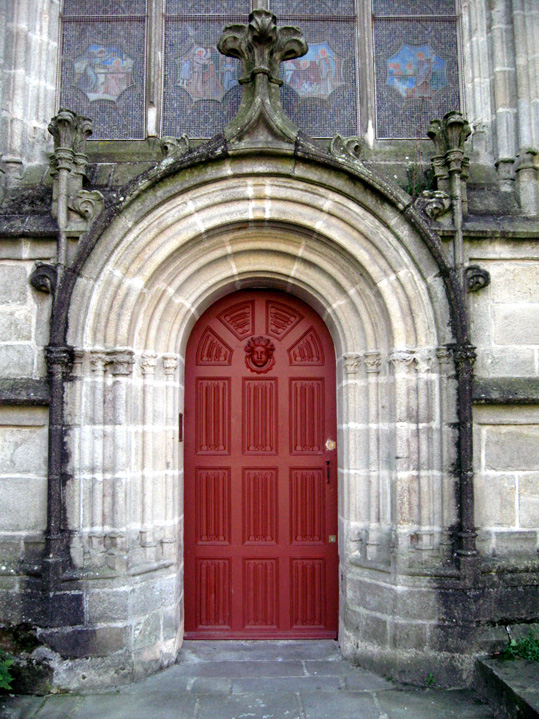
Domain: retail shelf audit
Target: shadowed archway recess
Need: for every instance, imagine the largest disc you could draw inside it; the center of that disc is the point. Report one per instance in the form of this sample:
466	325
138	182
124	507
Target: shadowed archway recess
259	207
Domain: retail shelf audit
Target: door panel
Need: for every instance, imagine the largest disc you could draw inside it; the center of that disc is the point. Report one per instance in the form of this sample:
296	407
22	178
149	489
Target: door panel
260	485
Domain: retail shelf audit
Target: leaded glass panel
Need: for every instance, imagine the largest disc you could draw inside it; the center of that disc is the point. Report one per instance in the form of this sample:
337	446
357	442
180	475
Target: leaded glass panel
201	93
406	8
416	73
320	93
103	69
208	7
97	8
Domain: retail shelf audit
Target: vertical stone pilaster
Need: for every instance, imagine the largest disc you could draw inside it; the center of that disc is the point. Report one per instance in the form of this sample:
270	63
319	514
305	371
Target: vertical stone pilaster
373	364
170	364
148	365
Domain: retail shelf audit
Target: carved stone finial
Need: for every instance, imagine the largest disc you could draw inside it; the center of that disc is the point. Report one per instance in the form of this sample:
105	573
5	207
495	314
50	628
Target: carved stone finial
433	204
44	278
476	278
449	136
174	147
262	47
70	132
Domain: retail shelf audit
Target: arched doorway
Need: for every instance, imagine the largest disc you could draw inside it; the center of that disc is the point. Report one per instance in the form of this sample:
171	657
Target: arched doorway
260	471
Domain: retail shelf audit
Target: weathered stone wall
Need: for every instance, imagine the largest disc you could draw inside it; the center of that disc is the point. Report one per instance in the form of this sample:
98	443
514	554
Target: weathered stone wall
165	255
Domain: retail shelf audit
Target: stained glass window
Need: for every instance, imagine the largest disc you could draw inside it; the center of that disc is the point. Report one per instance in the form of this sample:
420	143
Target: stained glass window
201	93
416	65
320	91
103	65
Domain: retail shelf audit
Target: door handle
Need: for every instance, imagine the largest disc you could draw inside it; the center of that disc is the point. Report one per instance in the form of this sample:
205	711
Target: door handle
327	471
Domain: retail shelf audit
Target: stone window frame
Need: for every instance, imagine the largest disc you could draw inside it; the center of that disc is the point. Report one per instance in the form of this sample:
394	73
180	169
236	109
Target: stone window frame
365	67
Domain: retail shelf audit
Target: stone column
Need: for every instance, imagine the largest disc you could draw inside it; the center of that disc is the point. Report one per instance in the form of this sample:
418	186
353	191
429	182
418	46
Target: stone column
405	508
373	364
354	455
96	535
147	540
116	539
59	362
75	487
501	38
477	78
423	361
448	400
170	364
525	16
29	79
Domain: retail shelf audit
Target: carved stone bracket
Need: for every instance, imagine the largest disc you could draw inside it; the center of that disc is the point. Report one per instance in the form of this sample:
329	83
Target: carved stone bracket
44	278
433	204
449	135
476	278
348	149
122	362
174	147
261	46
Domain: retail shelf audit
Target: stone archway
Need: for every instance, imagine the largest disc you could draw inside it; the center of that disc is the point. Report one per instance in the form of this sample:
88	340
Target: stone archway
148	271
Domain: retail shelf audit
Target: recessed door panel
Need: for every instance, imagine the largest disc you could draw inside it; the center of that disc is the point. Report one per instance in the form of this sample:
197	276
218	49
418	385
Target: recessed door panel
260	483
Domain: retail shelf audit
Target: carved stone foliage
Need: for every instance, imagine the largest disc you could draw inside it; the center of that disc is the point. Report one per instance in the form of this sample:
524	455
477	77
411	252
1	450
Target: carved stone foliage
44	278
433	204
373	361
261	46
476	278
174	147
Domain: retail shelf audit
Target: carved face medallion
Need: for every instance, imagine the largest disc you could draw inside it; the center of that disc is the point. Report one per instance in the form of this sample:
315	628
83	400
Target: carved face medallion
259	354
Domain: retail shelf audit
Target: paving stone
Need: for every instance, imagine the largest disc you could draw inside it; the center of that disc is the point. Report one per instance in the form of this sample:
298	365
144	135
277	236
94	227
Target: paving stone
250	706
287	684
427	704
325	668
244	669
361	681
344	705
154	706
19	707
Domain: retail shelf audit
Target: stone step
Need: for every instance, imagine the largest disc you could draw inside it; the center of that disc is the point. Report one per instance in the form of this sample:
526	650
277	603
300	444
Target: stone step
511	687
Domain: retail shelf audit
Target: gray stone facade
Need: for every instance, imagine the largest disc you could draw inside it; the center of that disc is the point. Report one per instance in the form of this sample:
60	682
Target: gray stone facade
108	257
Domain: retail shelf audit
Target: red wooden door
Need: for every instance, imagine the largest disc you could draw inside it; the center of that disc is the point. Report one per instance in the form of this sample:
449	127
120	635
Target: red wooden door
261	555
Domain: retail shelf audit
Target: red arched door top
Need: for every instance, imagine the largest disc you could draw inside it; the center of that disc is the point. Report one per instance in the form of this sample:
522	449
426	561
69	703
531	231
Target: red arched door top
261	555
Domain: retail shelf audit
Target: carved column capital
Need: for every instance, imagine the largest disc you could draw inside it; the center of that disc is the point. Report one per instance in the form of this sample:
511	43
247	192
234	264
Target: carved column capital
402	360
59	359
122	362
148	363
445	357
373	361
170	363
98	359
464	356
352	362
